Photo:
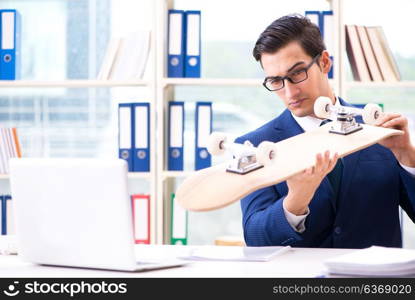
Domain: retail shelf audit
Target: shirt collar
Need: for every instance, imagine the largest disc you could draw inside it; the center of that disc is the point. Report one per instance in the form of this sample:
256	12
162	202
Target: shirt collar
308	123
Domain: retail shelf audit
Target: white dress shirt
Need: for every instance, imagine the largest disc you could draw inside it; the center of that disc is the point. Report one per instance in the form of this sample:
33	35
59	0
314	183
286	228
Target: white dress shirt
308	123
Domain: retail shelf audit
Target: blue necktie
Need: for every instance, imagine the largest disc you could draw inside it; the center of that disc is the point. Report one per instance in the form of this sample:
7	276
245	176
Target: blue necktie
335	176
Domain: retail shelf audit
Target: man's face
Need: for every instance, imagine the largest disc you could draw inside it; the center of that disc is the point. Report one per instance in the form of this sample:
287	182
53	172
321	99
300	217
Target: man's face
298	98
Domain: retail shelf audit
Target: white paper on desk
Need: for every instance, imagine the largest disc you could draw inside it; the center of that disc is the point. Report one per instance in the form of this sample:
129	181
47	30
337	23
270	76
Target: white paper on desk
234	253
374	261
8	244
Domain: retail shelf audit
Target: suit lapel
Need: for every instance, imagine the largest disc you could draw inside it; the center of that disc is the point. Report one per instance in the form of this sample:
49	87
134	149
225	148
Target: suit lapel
286	126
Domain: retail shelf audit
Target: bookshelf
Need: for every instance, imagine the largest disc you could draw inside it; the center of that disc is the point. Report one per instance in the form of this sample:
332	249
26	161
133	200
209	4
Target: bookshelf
162	89
148	83
211	82
72	83
166	91
398	84
175	174
131	175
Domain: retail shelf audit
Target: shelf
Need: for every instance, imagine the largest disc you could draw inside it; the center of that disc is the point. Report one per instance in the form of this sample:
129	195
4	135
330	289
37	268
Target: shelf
176	174
252	82
360	84
131	175
213	81
139	175
71	83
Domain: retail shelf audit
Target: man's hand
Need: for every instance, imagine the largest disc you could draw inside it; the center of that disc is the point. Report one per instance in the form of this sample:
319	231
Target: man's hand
301	187
400	145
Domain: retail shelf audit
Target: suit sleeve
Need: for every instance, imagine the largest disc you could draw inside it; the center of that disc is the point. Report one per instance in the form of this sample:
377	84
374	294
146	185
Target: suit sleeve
407	197
264	221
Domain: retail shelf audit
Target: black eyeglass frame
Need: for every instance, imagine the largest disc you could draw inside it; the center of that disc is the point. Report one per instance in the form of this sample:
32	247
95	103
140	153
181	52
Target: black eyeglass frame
287	77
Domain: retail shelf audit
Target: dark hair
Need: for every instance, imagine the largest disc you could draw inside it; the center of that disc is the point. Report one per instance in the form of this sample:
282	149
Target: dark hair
288	29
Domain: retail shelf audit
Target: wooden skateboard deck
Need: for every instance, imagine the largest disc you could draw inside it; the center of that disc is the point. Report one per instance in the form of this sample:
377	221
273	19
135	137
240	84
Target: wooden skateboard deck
214	187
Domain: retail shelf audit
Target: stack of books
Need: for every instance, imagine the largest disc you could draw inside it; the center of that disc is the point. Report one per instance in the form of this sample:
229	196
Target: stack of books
126	57
9	148
369	54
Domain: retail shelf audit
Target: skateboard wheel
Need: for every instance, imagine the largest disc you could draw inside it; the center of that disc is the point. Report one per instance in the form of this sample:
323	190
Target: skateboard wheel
322	107
216	143
371	113
266	152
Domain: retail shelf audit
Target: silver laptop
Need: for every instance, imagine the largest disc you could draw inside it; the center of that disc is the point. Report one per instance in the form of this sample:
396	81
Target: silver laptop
77	213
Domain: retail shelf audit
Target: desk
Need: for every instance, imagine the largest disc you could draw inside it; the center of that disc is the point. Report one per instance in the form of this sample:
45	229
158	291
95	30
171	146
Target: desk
298	262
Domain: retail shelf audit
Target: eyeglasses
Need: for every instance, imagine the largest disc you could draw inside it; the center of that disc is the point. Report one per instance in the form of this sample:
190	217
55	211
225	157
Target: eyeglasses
275	83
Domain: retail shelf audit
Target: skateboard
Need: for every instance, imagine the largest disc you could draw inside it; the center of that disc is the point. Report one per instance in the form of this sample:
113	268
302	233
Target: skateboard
253	168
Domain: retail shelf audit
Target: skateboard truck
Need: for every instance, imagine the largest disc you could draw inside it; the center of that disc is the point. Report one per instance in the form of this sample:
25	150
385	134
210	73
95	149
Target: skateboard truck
244	161
244	155
345	123
344	116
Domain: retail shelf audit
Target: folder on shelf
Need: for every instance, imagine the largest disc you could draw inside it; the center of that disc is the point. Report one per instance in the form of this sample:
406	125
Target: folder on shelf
327	32
125	134
325	22
355	55
10	37
193	44
7	221
179	219
141	217
141	137
176	43
314	17
203	130
9	213
368	54
175	136
2	215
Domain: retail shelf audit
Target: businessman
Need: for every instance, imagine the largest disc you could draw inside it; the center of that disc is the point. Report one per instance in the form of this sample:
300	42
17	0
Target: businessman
351	202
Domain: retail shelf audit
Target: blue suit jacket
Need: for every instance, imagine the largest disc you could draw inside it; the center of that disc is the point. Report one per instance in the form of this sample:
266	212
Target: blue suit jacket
366	212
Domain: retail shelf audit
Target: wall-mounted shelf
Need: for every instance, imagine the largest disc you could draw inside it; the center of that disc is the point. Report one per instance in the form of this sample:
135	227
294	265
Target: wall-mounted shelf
71	83
213	81
384	84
